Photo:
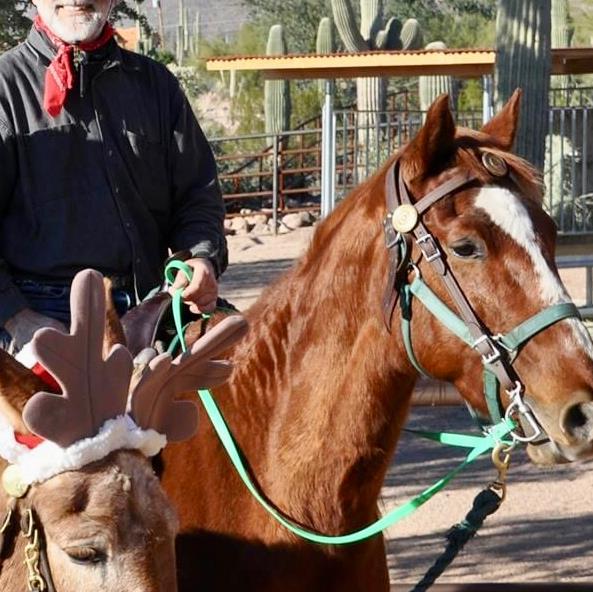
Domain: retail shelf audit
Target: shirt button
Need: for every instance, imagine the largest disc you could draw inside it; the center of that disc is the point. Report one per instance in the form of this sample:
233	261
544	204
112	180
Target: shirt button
138	261
110	152
128	225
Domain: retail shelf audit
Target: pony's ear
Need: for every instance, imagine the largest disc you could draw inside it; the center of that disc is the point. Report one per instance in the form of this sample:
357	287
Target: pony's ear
503	126
434	143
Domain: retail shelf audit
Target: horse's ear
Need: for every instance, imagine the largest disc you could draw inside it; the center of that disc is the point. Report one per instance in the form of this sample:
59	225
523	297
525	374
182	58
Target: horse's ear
434	143
503	126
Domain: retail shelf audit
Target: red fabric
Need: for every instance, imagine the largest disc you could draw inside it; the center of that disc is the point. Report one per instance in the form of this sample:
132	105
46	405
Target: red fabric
59	77
51	382
28	440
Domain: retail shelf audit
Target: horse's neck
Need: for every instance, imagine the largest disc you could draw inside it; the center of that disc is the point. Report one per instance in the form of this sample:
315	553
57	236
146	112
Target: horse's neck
319	387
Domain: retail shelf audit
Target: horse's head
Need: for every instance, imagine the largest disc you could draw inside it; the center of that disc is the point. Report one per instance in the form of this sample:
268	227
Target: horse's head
492	236
78	475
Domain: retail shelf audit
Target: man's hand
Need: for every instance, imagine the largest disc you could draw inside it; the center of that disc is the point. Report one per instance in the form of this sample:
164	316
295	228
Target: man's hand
202	292
23	325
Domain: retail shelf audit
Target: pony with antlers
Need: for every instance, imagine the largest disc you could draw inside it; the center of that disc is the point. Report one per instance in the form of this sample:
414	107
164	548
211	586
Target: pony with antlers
323	380
78	483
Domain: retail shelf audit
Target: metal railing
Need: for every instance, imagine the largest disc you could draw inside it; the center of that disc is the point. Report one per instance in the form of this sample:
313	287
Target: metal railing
283	172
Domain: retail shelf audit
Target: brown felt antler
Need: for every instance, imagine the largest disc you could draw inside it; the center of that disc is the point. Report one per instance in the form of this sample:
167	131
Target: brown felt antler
94	389
153	399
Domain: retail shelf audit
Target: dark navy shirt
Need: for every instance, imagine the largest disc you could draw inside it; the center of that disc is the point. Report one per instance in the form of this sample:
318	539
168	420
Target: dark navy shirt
120	176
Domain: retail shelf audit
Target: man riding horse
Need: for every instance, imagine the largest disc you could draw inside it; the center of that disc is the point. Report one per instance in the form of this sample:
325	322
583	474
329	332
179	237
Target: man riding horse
104	166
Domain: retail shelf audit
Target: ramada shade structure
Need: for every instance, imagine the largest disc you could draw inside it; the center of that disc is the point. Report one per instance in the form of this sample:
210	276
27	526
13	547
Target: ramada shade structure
464	63
461	63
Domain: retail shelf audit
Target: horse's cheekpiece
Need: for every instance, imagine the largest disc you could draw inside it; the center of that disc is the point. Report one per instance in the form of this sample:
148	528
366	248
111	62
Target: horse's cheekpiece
494	164
404	218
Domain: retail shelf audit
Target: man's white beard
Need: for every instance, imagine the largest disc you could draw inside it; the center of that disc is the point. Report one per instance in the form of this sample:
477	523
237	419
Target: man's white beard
79	29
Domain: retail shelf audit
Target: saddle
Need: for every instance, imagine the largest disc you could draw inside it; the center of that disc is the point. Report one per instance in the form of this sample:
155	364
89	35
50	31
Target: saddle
150	324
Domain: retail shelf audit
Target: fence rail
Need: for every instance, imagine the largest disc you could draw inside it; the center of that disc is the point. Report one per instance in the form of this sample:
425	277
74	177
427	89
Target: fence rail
283	172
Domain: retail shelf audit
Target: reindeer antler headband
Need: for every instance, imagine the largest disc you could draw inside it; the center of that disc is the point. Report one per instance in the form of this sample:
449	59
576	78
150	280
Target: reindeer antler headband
88	420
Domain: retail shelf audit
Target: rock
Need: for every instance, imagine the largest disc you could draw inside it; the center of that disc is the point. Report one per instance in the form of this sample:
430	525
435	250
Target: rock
228	222
261	228
245	211
292	221
239	225
298	220
256	219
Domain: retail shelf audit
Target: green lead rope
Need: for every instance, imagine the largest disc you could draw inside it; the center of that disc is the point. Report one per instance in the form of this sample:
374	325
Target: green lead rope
477	446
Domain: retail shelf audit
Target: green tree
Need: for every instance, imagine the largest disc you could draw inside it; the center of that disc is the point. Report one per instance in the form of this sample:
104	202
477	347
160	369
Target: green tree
14	23
299	18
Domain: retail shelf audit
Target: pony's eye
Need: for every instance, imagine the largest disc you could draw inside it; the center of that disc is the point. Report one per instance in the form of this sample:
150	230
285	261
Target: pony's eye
86	555
467	249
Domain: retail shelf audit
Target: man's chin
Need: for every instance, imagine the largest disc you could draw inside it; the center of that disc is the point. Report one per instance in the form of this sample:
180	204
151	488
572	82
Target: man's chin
77	30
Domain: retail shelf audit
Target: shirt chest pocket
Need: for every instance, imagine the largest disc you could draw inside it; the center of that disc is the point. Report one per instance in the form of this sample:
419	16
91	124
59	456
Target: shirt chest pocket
51	166
149	168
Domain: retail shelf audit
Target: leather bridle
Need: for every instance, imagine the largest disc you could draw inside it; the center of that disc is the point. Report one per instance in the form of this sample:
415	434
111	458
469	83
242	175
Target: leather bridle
39	578
404	225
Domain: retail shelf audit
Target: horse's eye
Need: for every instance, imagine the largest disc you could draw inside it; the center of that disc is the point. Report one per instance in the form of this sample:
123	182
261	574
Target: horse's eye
467	249
86	555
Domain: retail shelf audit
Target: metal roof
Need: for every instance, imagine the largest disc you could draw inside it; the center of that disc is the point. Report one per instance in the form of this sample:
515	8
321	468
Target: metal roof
464	63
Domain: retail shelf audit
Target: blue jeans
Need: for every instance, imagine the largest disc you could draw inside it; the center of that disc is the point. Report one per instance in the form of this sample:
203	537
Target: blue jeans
52	299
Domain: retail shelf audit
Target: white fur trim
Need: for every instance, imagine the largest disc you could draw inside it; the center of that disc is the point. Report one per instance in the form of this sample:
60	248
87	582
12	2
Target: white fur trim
26	357
48	459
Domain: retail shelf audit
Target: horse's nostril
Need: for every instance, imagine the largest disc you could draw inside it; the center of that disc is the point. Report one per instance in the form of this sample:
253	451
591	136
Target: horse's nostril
577	421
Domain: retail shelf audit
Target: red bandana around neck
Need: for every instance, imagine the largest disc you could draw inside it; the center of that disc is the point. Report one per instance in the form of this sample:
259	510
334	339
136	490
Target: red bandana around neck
59	77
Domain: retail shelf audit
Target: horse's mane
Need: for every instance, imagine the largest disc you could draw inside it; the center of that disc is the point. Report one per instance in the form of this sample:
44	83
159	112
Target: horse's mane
349	237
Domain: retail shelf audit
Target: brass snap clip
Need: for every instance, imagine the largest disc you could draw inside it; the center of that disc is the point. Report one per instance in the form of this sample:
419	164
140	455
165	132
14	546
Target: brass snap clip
501	458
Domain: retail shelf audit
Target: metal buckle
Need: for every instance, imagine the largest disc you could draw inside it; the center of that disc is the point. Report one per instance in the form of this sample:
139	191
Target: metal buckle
518	404
425	238
491	357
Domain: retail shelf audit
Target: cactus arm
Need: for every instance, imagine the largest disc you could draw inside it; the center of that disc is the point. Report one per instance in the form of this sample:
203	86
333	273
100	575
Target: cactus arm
411	35
325	37
346	25
389	37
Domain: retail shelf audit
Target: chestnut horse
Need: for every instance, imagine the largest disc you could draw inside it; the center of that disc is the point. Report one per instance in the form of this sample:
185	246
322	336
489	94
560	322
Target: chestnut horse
322	388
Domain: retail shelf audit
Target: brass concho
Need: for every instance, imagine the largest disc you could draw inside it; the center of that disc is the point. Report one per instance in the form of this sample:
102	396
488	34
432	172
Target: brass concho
13	483
494	164
404	218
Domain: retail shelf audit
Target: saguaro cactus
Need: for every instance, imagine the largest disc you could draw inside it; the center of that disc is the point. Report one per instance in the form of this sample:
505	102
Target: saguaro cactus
430	87
276	92
325	43
561	35
372	35
523	60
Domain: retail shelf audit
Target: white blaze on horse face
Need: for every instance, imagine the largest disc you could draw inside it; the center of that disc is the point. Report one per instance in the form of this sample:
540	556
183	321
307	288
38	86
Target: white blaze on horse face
510	215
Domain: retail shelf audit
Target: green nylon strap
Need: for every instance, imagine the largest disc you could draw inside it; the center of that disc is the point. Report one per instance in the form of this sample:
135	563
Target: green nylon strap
406	307
527	329
478	446
440	310
491	394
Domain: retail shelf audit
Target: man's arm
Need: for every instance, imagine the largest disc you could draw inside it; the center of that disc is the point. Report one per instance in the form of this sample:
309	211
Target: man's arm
197	208
11	299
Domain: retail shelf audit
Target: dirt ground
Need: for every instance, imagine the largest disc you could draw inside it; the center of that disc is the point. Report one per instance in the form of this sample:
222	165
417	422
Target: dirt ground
544	530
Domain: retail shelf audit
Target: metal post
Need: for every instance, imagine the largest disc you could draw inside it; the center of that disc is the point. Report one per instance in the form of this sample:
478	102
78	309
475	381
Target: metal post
589	288
486	98
332	193
275	183
327	135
